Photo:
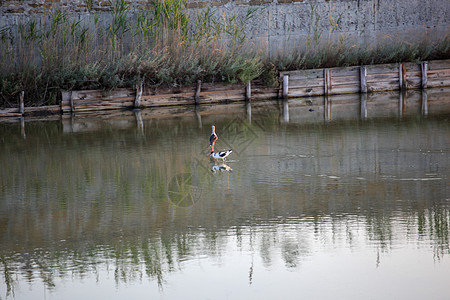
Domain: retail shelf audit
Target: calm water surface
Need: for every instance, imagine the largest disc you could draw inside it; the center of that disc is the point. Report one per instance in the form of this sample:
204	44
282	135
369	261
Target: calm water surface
345	201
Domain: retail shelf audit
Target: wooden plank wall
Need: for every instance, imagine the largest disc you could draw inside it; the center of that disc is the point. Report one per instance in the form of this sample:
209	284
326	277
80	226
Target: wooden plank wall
373	78
346	80
79	101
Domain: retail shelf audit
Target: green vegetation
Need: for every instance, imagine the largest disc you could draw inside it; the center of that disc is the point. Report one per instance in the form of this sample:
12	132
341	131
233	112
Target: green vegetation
166	46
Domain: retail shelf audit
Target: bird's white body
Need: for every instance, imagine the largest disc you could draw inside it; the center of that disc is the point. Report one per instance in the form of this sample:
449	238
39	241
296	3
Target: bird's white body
221	154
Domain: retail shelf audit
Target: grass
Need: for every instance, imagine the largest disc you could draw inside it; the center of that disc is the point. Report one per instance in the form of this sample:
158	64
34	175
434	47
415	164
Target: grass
166	46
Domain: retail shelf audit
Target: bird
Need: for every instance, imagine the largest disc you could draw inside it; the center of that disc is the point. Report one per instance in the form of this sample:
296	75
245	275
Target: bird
213	138
221	154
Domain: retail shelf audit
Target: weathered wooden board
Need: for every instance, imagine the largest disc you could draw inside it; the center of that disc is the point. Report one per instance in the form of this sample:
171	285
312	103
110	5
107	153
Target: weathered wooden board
10	115
167	100
226	95
303	74
345	80
439	64
382	69
344	89
305	83
30	110
345	71
310	91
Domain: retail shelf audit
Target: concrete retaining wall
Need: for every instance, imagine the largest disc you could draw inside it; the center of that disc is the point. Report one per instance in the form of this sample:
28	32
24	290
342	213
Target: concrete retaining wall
282	23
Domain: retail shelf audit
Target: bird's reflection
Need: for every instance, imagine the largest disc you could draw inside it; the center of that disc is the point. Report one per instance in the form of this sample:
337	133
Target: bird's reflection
220	167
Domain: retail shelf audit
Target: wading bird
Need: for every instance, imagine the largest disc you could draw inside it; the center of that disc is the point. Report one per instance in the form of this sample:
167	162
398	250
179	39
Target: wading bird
213	138
221	154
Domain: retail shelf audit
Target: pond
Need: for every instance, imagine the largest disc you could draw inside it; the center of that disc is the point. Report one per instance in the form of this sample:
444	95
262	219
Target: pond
337	198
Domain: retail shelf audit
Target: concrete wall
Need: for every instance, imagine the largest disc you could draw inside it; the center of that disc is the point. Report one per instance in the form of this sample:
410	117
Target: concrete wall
281	23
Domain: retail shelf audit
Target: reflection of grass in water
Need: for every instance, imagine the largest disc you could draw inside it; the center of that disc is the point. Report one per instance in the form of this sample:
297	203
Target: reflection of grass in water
9	281
158	256
179	190
182	190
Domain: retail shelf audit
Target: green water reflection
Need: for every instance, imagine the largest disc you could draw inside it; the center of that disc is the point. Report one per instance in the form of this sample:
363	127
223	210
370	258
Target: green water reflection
138	197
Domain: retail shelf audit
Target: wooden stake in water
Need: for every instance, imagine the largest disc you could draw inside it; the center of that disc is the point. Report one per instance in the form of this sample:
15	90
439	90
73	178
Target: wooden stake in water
405	82
326	81
197	92
285	86
139	91
363	79
424	69
402	77
248	91
72	107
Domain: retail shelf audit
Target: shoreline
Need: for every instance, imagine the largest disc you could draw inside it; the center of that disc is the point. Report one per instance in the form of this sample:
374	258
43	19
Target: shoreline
301	83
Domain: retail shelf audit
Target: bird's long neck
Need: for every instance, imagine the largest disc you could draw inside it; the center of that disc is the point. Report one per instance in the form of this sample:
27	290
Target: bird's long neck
213	130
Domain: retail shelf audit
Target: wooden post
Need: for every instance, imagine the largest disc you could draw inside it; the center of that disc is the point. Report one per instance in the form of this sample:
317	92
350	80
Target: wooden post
72	107
326	81
363	79
402	77
405	83
65	101
197	92
285	86
22	102
139	91
248	91
424	69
